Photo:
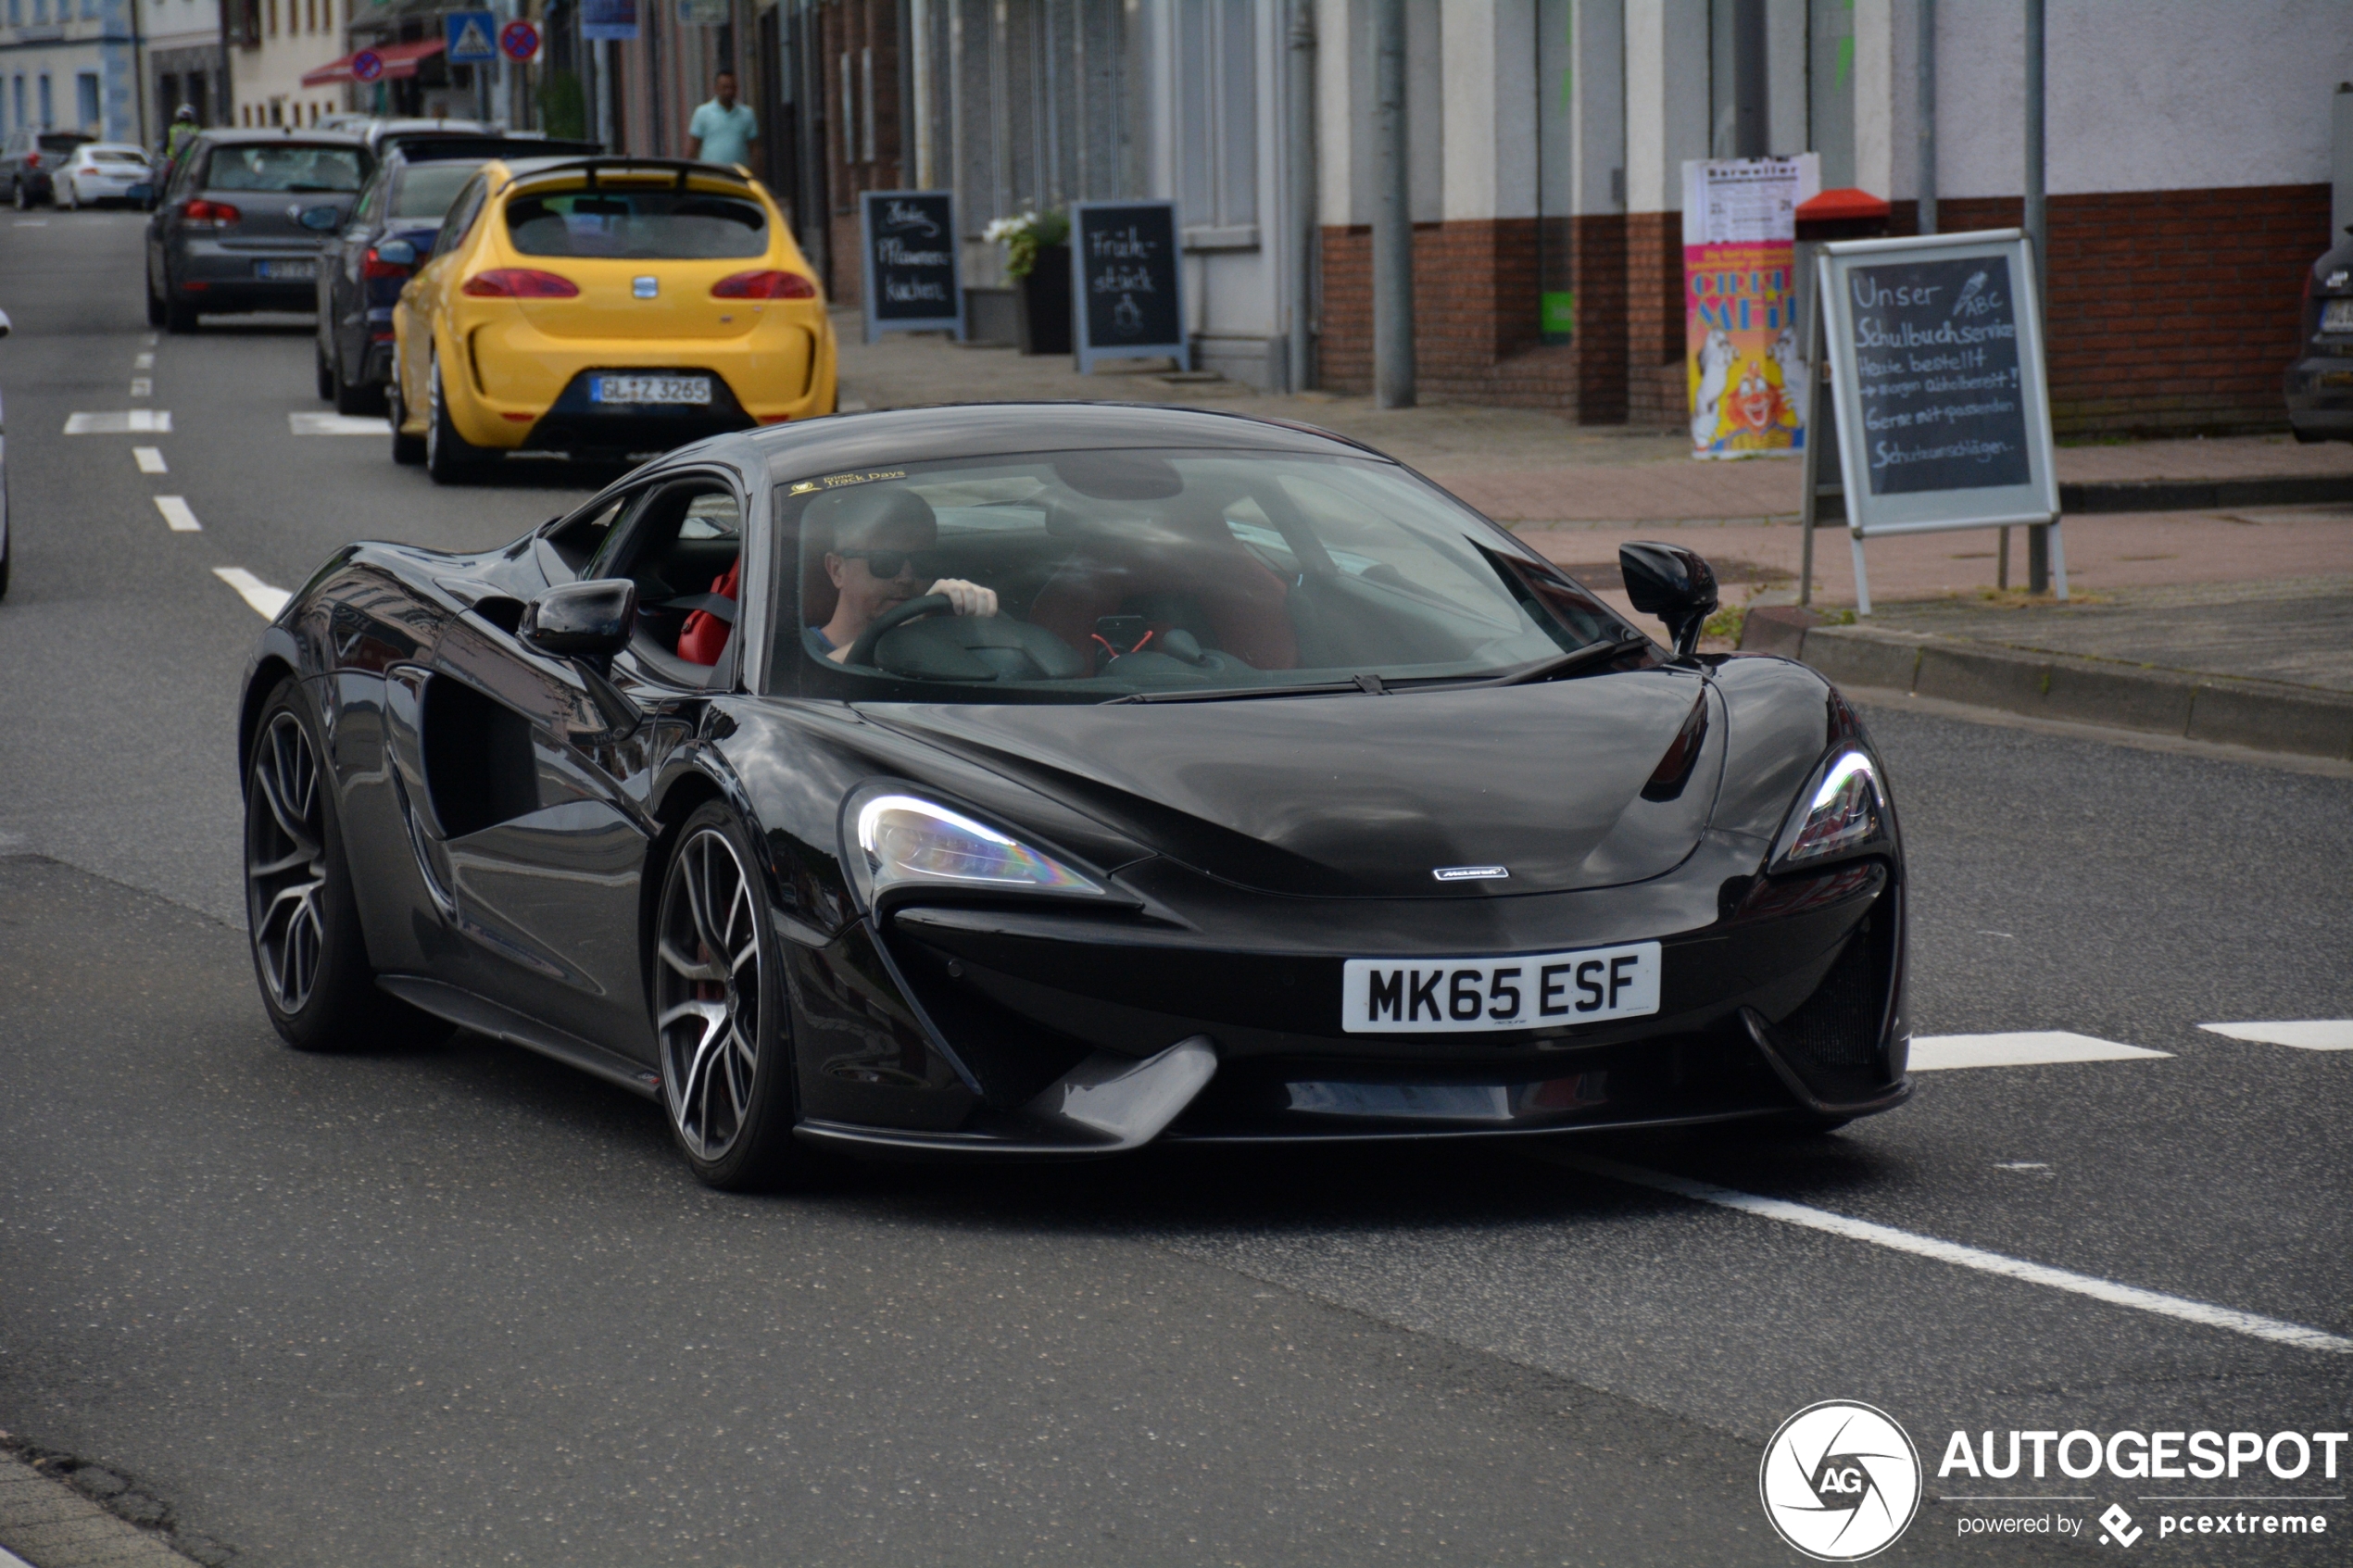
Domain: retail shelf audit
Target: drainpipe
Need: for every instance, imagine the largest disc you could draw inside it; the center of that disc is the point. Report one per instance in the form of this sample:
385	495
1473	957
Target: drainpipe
2037	225
1299	102
1393	215
1928	117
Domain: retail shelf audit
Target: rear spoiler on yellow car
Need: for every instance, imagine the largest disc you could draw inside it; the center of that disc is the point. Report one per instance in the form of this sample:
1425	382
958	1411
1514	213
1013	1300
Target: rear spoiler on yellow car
635	173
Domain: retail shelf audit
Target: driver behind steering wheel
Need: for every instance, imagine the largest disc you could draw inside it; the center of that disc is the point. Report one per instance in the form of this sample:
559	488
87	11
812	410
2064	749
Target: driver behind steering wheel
884	541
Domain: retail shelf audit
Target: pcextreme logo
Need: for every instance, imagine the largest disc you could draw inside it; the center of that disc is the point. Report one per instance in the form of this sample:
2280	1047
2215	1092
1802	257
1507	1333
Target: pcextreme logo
1840	1481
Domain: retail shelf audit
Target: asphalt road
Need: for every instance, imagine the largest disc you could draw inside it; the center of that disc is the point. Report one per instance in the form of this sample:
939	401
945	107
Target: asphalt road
453	1304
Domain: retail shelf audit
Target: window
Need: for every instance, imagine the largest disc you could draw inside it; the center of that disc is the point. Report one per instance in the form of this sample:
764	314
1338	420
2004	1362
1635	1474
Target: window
427	190
462	214
638	224
40	10
19	116
48	103
1218	115
86	89
290	166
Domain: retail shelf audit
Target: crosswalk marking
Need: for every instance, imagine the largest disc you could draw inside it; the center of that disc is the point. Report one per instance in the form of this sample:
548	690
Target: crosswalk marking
142	386
2307	1035
2203	1313
266	600
124	421
336	424
149	459
143	361
176	513
1938	1053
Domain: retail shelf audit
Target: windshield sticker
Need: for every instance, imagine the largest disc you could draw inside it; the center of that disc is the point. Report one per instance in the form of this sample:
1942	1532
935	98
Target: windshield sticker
835	480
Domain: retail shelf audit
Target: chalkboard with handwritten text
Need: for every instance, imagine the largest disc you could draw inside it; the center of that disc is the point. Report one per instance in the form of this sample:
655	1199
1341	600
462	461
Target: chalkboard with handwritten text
1125	268
1935	358
910	255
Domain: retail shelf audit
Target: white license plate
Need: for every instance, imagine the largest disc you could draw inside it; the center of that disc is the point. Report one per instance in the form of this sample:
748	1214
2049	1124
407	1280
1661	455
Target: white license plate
650	389
1473	995
2337	316
288	271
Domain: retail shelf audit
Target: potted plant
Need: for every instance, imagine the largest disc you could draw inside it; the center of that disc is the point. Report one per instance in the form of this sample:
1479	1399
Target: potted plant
1038	261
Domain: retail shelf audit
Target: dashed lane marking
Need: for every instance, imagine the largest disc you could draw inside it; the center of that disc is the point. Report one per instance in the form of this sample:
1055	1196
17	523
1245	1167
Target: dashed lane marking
175	512
1939	1053
143	361
2203	1313
149	459
141	386
266	601
122	422
2309	1035
336	424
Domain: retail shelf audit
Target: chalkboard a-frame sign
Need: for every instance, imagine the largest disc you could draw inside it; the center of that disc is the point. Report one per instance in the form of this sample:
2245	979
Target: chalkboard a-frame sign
1125	279
1943	412
909	252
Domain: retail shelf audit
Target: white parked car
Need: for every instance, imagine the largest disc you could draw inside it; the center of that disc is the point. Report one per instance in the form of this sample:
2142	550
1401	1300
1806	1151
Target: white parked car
103	172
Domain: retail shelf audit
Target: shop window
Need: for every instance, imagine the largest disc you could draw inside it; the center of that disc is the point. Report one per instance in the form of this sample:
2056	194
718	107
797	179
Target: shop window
85	88
1218	115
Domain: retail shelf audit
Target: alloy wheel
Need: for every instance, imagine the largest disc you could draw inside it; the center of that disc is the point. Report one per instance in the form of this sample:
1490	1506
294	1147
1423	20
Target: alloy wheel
707	992
287	863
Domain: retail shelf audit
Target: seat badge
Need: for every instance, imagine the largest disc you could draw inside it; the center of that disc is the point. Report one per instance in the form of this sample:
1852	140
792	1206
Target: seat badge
644	288
1471	873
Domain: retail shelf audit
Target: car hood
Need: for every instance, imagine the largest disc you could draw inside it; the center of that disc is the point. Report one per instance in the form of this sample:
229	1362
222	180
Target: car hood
1560	783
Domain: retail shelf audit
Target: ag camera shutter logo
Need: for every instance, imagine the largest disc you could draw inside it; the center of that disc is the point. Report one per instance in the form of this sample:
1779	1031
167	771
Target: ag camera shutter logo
1840	1481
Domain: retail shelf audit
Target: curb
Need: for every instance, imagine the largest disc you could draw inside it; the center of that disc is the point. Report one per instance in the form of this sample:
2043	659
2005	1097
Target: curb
2255	714
46	1523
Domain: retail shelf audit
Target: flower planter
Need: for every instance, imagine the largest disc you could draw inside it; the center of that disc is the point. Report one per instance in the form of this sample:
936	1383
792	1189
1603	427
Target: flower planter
1044	296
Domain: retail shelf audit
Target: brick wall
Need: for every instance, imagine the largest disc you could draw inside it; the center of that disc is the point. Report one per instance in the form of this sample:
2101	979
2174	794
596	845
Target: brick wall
1476	337
1657	392
851	28
1598	243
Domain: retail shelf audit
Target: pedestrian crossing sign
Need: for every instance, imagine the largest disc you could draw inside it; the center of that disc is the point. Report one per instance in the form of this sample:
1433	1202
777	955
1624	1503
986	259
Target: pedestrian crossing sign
470	37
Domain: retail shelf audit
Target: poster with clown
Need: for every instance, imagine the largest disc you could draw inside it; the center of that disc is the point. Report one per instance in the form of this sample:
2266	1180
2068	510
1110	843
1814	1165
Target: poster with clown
1744	358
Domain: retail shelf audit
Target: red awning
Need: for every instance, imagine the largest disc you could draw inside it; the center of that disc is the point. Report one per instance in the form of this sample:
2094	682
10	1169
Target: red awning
401	59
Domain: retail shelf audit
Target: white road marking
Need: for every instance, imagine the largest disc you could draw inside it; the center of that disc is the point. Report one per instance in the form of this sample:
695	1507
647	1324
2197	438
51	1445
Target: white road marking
175	512
1938	1053
126	421
32	223
2020	1165
2311	1034
336	424
267	601
2203	1313
149	459
143	361
141	386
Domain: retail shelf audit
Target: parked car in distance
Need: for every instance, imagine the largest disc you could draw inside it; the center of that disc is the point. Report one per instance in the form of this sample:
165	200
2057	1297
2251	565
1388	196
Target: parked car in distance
2319	384
604	308
392	229
29	162
97	172
245	220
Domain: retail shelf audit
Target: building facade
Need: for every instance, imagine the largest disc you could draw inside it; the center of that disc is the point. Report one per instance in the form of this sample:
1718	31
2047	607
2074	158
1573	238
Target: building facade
272	45
186	63
72	64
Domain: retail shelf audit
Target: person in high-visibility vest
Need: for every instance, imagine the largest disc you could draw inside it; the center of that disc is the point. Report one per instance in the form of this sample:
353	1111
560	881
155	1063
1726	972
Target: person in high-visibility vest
182	131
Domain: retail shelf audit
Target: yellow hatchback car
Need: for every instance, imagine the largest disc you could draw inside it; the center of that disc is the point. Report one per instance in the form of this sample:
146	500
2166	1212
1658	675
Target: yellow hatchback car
605	309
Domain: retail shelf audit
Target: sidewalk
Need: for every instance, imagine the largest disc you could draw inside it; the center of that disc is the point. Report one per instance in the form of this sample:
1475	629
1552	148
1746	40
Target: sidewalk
2198	610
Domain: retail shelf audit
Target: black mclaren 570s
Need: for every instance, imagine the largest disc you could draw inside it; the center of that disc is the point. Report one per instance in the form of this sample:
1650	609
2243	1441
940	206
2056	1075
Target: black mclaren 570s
1047	780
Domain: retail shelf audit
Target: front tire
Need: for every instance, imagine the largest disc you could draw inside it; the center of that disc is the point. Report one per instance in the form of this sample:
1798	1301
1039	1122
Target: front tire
450	458
308	953
178	318
719	1010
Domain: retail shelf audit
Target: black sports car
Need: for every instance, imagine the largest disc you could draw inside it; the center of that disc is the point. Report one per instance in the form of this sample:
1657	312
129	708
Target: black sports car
1046	780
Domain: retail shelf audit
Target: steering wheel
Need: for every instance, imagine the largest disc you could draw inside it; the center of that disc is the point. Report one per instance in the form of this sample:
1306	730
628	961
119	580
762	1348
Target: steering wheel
863	650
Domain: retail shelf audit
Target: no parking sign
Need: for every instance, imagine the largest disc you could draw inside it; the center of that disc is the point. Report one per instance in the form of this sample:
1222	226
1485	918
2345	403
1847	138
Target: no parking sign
367	65
519	41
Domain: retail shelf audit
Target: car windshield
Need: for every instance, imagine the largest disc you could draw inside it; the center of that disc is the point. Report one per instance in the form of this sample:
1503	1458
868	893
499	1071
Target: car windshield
1161	576
427	190
637	225
129	158
280	166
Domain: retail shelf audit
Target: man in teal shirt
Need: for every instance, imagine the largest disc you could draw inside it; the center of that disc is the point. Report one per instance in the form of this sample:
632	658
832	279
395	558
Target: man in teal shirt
723	129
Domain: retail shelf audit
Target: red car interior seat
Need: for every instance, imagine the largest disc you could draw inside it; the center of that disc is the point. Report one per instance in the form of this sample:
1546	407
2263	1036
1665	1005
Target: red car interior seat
704	637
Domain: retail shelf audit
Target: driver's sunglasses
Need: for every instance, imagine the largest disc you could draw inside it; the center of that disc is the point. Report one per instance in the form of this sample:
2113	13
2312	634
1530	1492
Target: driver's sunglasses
887	564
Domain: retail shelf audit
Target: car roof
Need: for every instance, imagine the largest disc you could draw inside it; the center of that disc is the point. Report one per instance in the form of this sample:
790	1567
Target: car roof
280	136
891	437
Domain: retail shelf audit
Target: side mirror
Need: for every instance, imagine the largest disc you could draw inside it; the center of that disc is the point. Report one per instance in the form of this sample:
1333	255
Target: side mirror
588	624
396	253
587	619
320	219
1673	584
7	326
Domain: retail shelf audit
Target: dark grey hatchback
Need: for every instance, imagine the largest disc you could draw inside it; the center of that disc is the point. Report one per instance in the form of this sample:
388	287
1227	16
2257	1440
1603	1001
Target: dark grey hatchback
242	225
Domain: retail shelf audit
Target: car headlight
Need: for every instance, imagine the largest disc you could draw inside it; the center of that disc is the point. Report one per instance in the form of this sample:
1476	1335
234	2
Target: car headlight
1843	811
899	840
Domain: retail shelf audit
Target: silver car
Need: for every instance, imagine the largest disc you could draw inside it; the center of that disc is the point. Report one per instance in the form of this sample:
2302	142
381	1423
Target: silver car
244	219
